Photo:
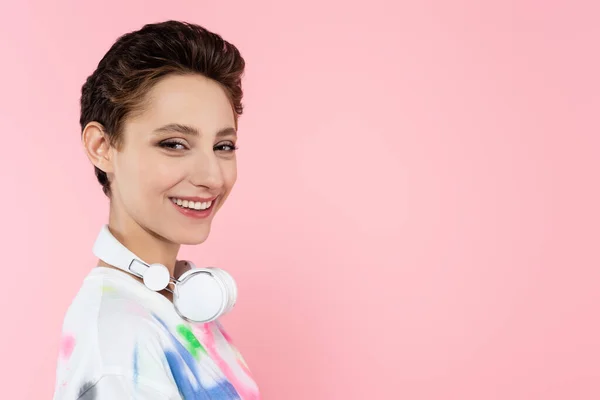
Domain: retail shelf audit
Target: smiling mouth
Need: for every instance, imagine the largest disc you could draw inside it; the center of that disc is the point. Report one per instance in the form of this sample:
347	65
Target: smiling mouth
192	205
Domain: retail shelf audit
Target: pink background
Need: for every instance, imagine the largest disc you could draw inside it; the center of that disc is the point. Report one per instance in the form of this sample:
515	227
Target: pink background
416	215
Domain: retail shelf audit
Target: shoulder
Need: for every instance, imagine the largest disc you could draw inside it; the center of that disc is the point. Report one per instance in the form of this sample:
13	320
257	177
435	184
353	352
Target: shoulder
124	324
109	334
106	311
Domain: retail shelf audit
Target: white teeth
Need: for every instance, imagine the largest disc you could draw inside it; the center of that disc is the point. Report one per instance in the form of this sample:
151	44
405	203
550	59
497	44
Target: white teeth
197	205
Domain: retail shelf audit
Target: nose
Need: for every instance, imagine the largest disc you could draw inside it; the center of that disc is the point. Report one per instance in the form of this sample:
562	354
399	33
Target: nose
206	171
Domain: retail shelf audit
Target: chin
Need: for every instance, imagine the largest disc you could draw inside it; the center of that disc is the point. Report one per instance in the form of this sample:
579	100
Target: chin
191	238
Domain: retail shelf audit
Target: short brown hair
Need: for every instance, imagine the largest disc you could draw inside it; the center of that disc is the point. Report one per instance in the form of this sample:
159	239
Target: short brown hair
139	59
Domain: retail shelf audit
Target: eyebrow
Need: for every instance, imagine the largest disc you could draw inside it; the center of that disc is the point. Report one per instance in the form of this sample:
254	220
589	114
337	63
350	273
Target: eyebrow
192	131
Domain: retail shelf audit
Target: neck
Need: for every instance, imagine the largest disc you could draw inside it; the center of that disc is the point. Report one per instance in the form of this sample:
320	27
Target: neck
147	245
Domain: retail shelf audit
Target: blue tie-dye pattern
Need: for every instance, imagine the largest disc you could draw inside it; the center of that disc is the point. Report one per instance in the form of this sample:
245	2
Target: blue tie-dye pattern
180	362
135	365
184	385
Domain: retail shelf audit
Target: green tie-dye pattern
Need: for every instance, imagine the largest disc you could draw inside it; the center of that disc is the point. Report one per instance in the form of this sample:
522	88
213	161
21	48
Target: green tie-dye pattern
192	344
108	289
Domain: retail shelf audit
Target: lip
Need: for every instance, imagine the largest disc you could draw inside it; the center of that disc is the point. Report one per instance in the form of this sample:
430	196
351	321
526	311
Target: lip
196	214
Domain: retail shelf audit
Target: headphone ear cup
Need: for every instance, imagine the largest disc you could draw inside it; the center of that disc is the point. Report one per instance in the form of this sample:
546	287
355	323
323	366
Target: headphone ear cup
156	277
200	296
187	273
230	287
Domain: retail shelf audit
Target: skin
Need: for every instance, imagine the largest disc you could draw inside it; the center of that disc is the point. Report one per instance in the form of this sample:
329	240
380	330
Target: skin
148	168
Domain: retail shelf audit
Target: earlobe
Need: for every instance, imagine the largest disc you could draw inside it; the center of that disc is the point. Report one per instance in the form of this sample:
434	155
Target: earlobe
97	146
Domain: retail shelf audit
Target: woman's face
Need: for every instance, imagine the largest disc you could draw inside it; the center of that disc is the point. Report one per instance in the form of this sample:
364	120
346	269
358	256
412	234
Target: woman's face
179	150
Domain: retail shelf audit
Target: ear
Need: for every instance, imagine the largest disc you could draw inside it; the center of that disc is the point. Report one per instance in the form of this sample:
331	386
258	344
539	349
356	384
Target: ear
97	147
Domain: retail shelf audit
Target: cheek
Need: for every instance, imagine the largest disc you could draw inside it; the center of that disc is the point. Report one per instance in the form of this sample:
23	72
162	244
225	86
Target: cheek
140	177
163	174
230	174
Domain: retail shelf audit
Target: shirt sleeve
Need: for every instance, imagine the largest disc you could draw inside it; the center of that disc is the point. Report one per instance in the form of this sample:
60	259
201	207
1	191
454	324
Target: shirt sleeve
122	387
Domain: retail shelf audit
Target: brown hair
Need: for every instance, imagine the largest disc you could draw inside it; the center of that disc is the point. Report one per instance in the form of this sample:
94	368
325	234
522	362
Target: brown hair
139	59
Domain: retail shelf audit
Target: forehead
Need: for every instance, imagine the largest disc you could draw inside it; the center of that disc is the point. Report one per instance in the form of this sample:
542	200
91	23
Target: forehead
192	100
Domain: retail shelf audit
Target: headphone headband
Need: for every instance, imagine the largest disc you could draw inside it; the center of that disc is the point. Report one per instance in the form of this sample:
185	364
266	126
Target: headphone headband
111	251
199	295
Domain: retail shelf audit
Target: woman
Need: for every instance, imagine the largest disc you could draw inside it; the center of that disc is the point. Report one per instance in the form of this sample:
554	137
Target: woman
159	119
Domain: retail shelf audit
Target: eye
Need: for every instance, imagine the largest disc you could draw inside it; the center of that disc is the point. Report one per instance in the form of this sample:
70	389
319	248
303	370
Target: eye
172	144
228	147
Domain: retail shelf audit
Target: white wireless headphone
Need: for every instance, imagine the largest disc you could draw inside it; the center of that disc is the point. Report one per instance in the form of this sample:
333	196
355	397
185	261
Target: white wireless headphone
199	294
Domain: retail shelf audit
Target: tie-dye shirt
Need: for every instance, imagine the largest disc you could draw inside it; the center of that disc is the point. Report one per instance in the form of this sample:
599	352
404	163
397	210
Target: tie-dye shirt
121	340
